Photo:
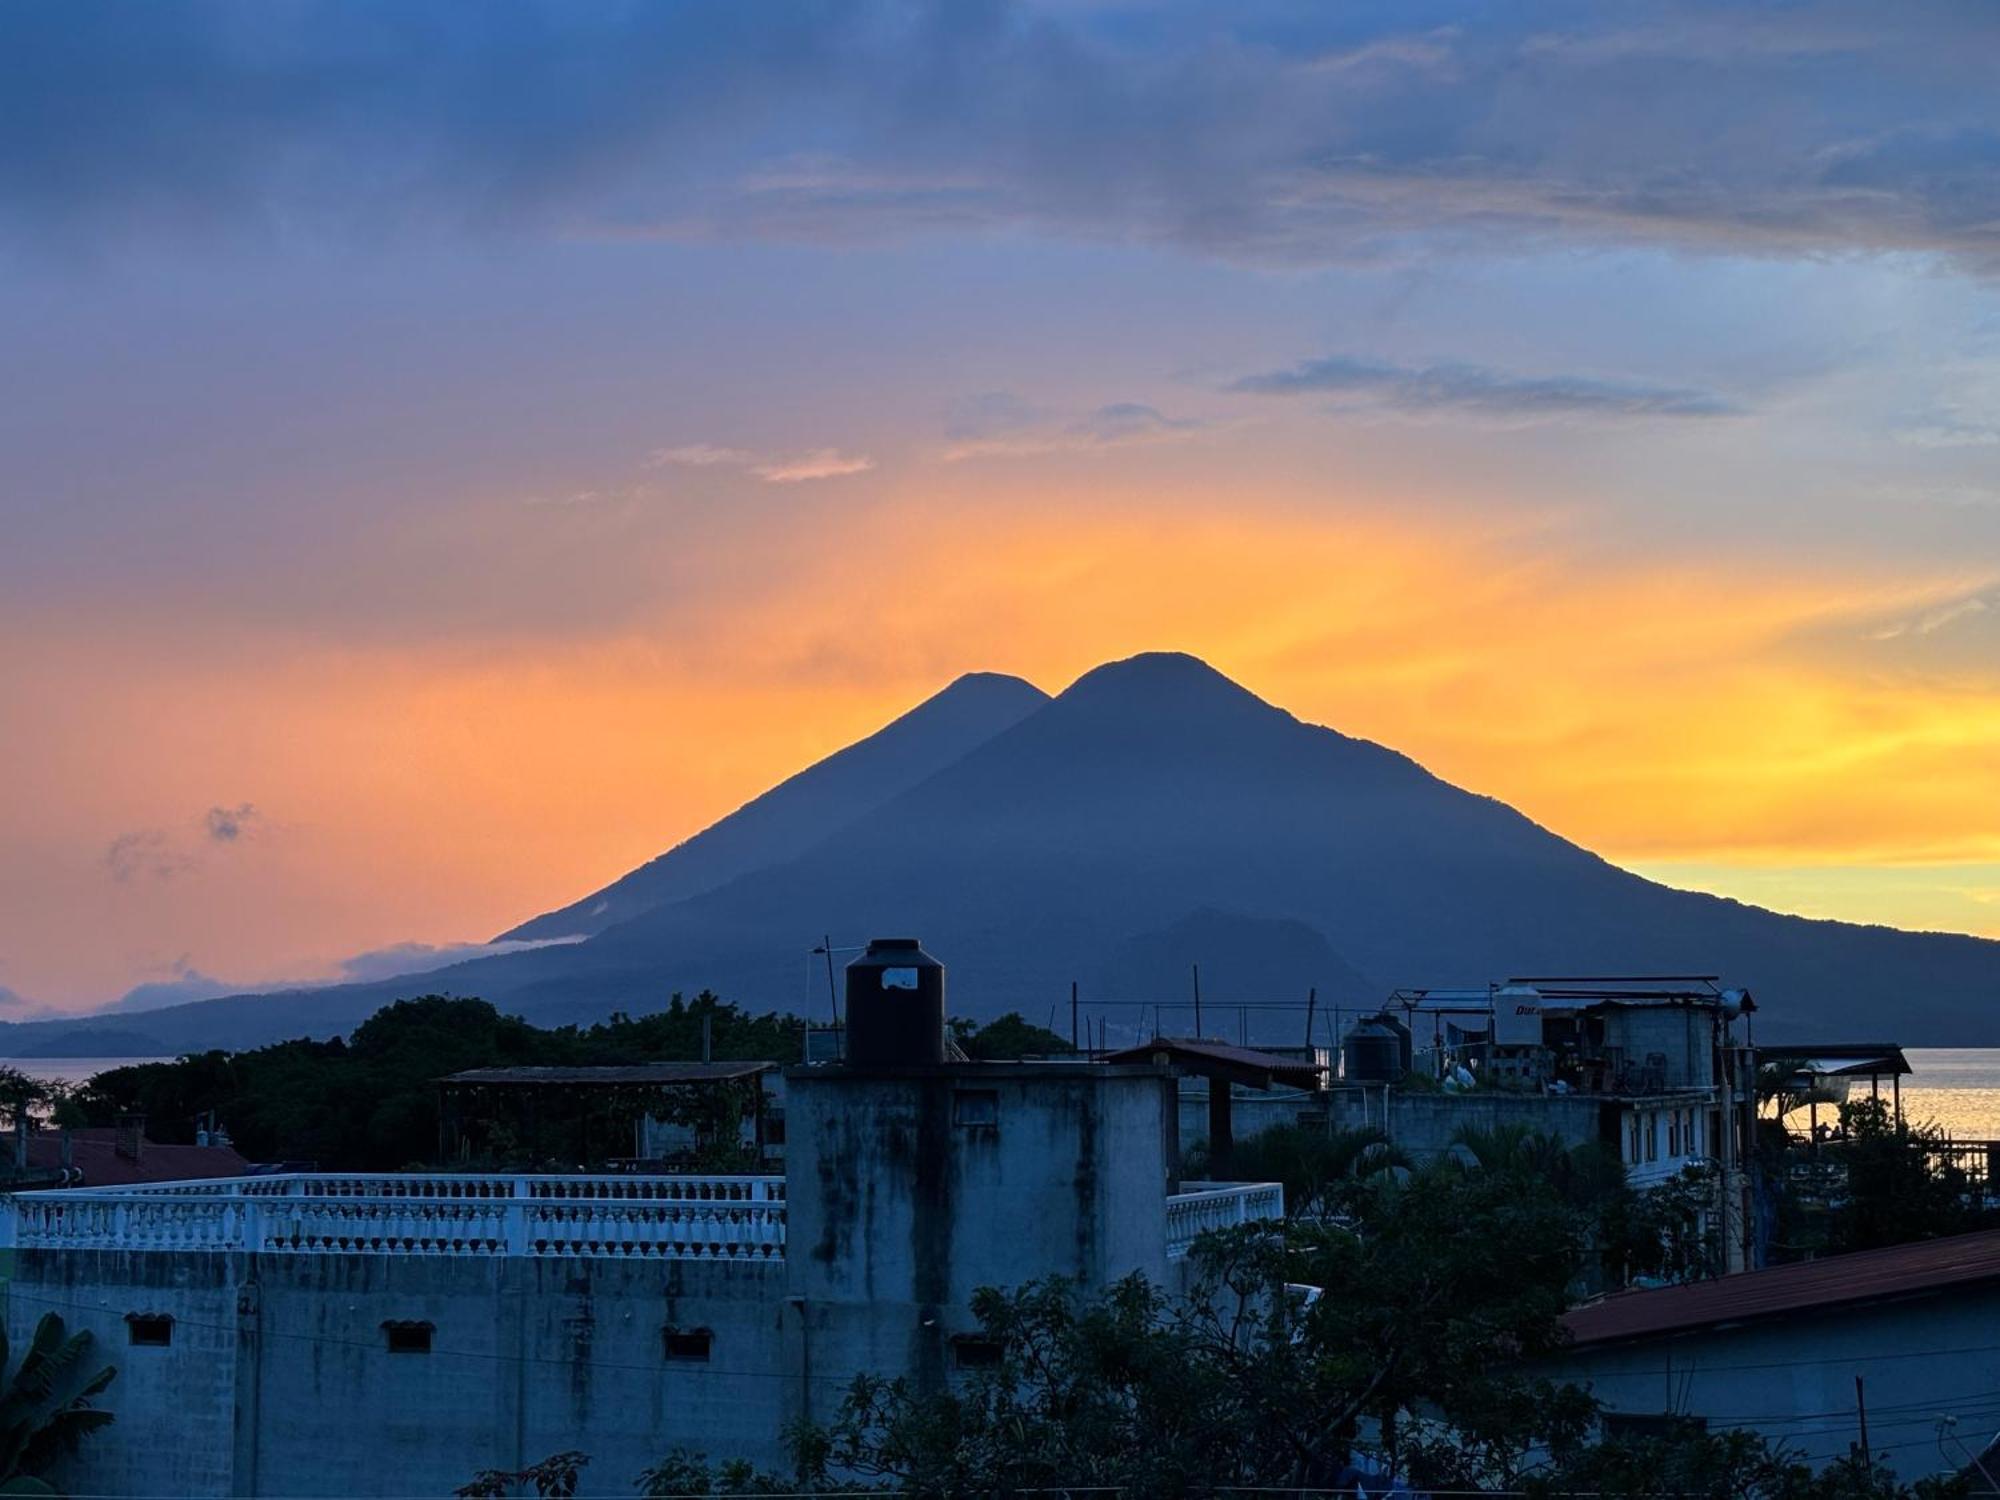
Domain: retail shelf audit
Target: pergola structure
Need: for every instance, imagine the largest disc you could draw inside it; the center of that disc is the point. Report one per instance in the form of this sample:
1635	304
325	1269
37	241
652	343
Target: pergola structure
1809	1065
595	1097
1224	1066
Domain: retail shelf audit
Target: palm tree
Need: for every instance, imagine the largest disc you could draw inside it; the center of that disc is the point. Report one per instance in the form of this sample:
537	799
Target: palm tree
45	1410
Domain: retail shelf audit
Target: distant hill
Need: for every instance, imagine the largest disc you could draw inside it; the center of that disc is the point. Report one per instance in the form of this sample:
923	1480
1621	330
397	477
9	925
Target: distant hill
1155	815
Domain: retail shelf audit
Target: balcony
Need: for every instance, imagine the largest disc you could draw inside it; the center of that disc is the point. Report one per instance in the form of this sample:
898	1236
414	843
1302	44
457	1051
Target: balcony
438	1214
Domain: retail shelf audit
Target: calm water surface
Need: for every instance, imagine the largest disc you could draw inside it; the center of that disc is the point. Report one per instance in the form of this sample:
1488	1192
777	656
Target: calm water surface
72	1069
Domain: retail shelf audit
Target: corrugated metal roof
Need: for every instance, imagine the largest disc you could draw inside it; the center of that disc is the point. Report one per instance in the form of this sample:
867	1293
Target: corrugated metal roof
1836	1058
1209	1059
637	1074
1866	1275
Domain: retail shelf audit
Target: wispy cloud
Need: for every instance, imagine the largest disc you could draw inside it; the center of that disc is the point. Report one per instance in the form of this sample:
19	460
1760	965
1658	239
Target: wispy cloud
1932	620
226	825
700	456
1001	424
1476	390
817	463
146	854
821	463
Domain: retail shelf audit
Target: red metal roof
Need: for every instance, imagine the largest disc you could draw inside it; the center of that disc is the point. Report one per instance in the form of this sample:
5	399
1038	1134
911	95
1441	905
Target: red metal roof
1864	1276
95	1151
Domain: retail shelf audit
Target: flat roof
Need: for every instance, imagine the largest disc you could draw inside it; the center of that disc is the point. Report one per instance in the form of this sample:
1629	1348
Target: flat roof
1223	1060
618	1074
1835	1281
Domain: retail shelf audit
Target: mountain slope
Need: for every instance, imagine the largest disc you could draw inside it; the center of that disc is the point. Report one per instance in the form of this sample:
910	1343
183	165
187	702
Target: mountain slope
799	812
1156	814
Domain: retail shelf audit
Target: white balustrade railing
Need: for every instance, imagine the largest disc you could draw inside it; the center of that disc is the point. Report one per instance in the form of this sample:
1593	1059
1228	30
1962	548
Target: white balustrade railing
626	1217
667	1218
1218	1205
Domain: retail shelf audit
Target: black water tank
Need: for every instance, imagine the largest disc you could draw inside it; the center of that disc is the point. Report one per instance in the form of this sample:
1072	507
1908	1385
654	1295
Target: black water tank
1372	1052
895	1005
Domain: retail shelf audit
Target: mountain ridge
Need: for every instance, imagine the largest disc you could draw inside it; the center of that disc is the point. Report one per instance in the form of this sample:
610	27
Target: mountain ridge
1153	811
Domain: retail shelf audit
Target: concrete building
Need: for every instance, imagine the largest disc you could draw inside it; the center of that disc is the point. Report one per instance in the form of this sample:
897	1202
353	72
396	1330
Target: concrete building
355	1334
1802	1354
1648	1067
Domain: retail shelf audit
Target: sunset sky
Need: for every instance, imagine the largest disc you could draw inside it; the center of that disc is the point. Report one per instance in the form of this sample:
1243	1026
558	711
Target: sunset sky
452	452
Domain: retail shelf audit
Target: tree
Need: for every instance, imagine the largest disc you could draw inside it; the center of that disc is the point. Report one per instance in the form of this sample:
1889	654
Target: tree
1322	1171
1012	1035
45	1411
554	1478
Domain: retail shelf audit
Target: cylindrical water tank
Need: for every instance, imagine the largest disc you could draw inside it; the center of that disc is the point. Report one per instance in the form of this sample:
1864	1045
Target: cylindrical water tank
1372	1052
895	1005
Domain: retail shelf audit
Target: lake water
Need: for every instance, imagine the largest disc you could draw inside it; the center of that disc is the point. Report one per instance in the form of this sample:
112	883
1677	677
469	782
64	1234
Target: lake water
72	1069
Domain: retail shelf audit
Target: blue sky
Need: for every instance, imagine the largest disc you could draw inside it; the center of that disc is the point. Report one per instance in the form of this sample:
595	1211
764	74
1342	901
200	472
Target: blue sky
421	417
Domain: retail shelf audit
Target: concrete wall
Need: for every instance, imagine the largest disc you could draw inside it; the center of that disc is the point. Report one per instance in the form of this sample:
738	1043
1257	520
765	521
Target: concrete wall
279	1379
1920	1359
1683	1034
907	1190
1424	1124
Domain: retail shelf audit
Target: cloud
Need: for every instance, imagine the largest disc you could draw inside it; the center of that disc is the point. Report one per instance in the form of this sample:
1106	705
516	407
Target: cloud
1932	620
1482	392
147	854
999	424
226	825
819	463
1338	133
700	456
185	983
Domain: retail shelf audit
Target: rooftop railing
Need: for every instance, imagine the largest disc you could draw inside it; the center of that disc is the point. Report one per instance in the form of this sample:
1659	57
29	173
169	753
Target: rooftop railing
1218	1205
668	1218
425	1214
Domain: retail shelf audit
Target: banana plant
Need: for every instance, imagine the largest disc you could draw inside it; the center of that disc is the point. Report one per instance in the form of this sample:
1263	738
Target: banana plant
45	1409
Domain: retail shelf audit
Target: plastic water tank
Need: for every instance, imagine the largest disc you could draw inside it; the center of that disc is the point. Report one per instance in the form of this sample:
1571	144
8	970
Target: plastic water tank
895	1006
1372	1052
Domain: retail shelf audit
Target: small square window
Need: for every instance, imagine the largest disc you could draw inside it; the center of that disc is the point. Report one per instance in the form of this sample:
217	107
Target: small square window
690	1344
408	1338
154	1329
972	1352
976	1107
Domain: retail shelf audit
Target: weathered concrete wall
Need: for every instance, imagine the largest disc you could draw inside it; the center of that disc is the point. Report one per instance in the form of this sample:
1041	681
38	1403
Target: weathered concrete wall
175	1433
907	1190
297	1393
1793	1381
1681	1034
1424	1124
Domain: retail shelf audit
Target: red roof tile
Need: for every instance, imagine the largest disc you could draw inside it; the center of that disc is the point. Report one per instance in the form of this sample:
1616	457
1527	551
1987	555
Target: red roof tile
96	1152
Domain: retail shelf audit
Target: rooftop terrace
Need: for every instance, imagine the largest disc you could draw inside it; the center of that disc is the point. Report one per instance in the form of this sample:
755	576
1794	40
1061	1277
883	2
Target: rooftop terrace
430	1214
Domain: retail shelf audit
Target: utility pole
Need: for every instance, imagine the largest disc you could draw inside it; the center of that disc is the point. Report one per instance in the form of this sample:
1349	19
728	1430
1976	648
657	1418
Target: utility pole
1312	999
1197	1000
832	996
1072	1018
1861	1415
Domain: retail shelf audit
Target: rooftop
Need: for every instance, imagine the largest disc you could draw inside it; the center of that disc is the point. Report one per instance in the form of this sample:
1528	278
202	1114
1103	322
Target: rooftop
1836	1281
1233	1064
94	1152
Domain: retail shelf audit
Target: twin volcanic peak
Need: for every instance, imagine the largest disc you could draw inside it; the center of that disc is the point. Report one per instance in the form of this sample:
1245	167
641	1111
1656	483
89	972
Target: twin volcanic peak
1152	816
